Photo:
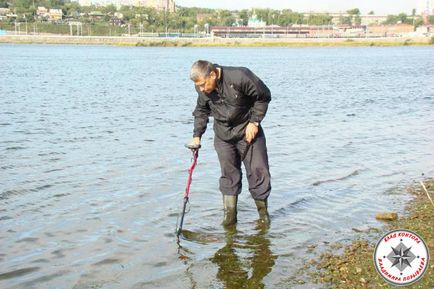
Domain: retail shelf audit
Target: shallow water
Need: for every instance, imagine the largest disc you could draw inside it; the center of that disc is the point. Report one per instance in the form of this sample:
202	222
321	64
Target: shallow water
93	164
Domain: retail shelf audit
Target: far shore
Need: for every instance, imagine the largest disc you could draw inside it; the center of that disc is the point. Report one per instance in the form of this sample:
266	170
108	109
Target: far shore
215	42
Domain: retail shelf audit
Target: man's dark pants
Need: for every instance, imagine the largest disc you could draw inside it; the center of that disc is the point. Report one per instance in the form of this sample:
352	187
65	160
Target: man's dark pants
255	163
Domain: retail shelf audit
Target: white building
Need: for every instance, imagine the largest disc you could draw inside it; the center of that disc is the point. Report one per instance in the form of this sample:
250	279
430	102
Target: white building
255	22
55	14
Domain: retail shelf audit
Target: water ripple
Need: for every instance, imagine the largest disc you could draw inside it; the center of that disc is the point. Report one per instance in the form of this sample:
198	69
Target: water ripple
93	164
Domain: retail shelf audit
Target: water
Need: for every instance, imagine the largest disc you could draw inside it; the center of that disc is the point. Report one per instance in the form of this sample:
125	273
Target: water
93	164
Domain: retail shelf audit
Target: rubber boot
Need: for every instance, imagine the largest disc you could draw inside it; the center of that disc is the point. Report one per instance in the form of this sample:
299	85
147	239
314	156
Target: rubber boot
262	206
230	207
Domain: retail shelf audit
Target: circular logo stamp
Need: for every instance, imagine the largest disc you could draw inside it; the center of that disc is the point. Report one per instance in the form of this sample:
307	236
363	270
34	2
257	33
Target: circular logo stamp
401	257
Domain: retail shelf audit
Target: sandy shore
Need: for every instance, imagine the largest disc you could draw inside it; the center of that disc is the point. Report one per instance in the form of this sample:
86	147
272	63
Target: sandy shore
213	42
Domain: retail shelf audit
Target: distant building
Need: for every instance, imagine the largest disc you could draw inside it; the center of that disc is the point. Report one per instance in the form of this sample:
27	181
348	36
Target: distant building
364	19
11	15
115	21
272	31
372	19
42	11
55	14
391	30
314	31
255	22
337	18
424	29
4	11
160	5
96	15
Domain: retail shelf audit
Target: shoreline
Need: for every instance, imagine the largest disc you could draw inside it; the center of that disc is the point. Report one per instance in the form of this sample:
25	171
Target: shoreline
216	42
352	266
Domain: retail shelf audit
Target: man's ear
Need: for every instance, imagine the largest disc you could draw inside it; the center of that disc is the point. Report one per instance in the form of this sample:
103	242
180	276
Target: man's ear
213	75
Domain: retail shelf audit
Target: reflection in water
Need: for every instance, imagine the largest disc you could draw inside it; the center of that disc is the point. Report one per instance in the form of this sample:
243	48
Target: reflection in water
245	260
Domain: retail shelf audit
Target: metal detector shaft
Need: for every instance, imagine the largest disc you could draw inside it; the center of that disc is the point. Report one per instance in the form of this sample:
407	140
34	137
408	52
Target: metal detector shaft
187	188
182	217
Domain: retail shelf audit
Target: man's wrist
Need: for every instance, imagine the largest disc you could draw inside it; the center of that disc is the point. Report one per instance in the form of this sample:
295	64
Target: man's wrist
255	123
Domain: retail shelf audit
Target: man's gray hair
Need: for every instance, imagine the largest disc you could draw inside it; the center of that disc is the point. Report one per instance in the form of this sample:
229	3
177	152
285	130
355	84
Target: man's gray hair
201	69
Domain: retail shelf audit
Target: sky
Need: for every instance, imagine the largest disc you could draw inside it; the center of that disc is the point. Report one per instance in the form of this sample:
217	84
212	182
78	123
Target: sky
380	7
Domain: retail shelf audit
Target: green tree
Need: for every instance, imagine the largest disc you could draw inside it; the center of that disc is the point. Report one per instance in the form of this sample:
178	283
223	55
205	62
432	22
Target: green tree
402	17
371	13
354	11
87	9
184	19
288	17
357	20
319	19
109	9
418	22
244	16
72	8
346	20
20	4
353	18
262	14
56	3
225	17
31	12
391	19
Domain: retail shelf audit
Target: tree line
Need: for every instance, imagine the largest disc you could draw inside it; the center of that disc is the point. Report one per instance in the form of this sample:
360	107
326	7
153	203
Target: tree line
186	19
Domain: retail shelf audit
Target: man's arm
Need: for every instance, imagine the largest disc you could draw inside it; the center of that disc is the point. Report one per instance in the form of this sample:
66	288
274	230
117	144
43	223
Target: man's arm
201	117
255	88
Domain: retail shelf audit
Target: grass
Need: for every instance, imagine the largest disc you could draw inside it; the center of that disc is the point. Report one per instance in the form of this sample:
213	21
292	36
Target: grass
407	42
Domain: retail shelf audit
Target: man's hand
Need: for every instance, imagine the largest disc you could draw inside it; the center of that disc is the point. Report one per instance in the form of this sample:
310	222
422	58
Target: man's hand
251	132
195	143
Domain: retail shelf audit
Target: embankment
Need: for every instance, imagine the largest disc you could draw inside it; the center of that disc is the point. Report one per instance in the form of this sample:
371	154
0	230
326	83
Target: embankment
214	42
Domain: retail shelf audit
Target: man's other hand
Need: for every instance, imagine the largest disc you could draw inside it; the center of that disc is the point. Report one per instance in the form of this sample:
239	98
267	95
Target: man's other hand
251	132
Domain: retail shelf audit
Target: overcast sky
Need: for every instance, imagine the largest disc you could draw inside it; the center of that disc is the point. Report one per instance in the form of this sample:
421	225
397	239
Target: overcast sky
378	6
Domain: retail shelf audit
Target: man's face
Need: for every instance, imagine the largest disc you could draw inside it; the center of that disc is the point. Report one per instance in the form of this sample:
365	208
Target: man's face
207	84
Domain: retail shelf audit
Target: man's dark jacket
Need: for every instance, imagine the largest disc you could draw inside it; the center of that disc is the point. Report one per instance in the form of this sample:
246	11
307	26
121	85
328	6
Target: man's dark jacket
239	98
